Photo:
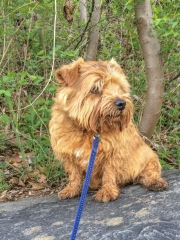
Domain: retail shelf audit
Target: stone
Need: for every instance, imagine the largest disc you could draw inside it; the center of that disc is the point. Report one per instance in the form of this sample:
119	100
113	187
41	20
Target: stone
139	214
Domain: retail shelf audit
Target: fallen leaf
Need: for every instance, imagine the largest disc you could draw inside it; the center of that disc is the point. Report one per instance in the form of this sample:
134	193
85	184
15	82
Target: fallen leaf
16	158
25	177
17	165
12	192
3	194
42	169
14	180
15	142
17	181
42	178
30	154
36	186
21	183
37	133
35	173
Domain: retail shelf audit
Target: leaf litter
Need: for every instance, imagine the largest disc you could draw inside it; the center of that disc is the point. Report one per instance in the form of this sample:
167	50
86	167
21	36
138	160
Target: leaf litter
23	180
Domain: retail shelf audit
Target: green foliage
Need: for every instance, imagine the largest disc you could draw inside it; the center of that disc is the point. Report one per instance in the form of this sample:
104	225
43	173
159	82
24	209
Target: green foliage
166	19
3	184
27	83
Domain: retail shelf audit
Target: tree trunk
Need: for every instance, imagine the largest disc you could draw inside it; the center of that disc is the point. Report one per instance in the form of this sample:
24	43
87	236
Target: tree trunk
94	34
83	11
154	68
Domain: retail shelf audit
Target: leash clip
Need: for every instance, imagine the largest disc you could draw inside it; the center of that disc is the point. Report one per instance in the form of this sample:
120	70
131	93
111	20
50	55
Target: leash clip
97	136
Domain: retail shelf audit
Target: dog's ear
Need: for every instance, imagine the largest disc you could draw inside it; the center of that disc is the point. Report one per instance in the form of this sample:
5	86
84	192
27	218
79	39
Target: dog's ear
113	63
69	73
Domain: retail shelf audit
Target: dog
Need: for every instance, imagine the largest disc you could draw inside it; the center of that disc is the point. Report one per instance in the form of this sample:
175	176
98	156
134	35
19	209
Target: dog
94	98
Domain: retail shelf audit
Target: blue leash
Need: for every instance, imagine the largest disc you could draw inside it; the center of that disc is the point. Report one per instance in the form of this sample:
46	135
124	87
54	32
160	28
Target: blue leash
85	186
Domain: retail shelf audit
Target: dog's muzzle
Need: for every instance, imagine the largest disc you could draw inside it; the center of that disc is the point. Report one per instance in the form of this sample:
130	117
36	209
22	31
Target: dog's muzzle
120	104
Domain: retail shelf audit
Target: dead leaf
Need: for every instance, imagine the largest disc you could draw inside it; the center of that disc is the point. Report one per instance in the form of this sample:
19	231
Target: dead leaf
14	180
29	156
21	183
36	186
12	192
25	177
15	142
16	158
3	194
42	178
42	169
34	173
68	9
37	133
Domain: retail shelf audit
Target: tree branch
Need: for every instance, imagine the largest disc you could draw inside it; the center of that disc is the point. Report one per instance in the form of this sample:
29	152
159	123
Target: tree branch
154	68
89	20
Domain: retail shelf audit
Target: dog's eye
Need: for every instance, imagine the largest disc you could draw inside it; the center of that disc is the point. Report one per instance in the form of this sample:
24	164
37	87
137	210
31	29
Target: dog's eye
95	90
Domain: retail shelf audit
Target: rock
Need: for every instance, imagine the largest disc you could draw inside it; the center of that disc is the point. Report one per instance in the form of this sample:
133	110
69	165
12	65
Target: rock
139	214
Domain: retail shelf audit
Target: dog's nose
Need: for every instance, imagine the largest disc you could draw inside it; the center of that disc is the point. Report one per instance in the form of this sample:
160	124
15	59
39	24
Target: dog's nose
120	104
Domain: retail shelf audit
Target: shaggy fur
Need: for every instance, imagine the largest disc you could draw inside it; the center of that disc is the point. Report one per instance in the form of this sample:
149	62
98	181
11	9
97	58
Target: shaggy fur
94	98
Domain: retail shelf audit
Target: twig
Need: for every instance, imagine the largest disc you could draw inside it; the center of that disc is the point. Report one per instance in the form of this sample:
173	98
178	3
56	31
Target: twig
169	160
53	57
5	52
175	77
19	8
89	20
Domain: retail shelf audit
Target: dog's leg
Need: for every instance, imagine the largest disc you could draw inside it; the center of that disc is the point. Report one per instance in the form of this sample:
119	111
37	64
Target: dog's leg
109	190
151	178
73	188
96	181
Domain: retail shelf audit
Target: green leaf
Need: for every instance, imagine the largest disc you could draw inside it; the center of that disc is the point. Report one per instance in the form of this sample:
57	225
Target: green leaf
32	77
157	21
40	53
5	118
174	24
129	7
5	92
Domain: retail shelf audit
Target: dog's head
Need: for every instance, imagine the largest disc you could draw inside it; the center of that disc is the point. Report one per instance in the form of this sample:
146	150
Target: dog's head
95	95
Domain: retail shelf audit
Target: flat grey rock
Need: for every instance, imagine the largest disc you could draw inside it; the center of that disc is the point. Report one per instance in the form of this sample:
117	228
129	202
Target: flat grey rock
139	214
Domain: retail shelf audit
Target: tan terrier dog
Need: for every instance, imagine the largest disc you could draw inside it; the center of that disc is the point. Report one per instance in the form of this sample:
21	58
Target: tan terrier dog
94	98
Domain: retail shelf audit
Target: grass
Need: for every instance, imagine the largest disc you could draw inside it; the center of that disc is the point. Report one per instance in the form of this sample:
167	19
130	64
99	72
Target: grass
27	134
41	43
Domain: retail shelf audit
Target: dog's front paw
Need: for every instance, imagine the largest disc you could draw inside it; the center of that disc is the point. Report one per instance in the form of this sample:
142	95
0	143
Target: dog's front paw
158	185
68	192
107	194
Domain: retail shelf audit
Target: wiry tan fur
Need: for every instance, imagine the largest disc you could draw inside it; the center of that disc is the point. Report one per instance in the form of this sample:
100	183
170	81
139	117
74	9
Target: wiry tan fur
85	105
